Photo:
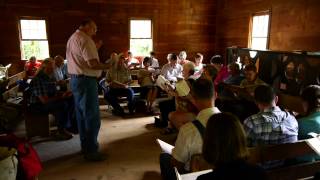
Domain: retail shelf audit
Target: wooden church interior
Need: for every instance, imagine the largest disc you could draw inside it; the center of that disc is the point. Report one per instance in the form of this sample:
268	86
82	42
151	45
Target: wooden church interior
279	39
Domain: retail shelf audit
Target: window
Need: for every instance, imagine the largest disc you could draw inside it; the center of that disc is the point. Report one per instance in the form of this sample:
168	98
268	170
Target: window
260	31
140	37
33	38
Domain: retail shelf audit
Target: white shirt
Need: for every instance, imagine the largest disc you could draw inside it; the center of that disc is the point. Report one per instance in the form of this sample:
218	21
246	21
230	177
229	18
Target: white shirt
58	74
171	73
81	49
189	141
154	63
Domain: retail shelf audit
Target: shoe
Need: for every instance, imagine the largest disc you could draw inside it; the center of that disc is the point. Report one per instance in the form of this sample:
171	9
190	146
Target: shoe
159	123
63	135
118	112
167	131
95	157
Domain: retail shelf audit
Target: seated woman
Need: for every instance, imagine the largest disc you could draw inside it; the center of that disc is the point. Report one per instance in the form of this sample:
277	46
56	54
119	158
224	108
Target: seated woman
233	79
185	108
119	79
311	104
198	65
225	148
183	58
146	81
45	98
222	70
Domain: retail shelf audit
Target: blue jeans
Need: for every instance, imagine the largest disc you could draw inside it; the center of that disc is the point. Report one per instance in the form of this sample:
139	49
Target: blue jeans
85	92
112	94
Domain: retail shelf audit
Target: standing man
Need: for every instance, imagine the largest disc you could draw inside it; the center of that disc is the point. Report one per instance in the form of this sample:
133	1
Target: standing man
84	67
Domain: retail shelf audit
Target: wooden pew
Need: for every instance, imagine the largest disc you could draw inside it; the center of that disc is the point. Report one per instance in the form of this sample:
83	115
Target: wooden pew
263	154
292	103
37	124
12	86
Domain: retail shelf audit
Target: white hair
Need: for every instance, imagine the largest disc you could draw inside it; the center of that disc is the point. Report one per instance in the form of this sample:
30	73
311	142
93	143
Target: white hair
183	55
169	56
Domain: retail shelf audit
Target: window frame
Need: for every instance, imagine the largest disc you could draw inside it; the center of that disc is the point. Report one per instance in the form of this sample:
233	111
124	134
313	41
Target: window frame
20	33
129	35
261	13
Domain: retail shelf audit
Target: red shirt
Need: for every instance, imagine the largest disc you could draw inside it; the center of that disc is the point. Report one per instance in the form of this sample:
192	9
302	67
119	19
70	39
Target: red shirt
31	68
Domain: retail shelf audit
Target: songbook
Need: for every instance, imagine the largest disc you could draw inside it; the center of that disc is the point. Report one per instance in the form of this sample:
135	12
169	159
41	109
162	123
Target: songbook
165	147
190	176
182	88
314	143
162	82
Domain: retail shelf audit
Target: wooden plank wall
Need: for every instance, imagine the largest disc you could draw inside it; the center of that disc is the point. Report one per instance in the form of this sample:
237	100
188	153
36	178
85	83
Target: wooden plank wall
294	23
178	25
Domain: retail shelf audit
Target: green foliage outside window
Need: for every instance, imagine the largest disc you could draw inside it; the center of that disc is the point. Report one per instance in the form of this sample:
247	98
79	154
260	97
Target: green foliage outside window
39	49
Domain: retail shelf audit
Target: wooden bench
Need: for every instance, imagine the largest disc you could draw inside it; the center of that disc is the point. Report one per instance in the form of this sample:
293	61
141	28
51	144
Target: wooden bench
37	123
12	87
292	103
263	154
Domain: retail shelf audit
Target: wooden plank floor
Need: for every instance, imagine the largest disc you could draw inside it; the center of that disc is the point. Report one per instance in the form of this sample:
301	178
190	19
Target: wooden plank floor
129	144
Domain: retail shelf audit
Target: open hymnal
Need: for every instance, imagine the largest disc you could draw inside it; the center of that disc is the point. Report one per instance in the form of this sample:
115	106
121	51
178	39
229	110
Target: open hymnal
165	147
190	176
314	142
162	82
182	88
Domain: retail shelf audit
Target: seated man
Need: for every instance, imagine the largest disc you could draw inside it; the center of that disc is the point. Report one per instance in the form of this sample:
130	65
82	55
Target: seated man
45	98
243	106
58	65
118	79
189	141
31	67
251	80
131	61
185	109
271	125
172	70
59	74
154	61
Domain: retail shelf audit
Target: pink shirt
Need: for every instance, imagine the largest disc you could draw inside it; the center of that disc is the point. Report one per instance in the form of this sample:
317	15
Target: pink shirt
222	75
80	49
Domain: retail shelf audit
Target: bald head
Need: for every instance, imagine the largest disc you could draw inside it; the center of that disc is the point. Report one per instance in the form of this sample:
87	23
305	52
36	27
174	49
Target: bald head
89	27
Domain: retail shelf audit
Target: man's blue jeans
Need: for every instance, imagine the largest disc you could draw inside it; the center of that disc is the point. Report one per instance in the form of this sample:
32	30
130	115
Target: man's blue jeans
85	92
112	94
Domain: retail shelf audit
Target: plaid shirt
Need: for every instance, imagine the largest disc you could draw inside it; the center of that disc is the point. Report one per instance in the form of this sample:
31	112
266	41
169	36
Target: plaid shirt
271	126
42	85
